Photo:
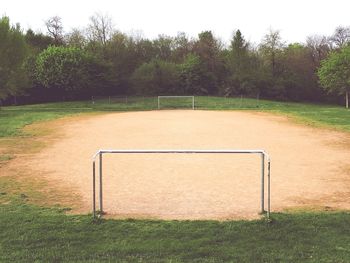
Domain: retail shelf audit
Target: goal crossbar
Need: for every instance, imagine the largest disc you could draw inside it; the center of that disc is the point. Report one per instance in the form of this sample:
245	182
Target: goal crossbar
264	156
169	97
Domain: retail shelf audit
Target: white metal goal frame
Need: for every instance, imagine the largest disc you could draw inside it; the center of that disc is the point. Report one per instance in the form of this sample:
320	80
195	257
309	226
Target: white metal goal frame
264	156
169	97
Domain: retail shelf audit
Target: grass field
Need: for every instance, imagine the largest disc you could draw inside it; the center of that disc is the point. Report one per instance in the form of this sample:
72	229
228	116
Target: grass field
32	233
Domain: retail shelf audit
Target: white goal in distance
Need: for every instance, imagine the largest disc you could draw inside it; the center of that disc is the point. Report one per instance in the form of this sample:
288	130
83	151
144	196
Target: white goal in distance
190	99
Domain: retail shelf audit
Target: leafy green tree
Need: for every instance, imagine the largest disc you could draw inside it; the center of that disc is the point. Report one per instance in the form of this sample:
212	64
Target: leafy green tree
13	51
64	69
156	78
334	73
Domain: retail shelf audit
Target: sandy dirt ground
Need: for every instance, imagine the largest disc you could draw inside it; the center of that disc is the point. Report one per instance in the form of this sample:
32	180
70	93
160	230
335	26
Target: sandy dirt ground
310	167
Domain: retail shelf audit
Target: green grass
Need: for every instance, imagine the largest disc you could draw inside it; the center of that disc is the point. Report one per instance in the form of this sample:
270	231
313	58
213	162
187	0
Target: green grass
32	234
29	233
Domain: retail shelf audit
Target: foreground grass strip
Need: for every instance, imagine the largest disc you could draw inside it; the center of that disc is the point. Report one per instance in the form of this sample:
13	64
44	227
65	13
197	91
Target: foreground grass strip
29	233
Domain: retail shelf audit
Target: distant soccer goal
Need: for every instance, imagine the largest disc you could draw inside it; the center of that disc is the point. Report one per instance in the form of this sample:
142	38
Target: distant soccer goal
173	102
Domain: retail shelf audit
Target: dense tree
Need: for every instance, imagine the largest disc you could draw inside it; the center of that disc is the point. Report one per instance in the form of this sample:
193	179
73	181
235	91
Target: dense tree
13	52
156	78
117	63
334	73
300	82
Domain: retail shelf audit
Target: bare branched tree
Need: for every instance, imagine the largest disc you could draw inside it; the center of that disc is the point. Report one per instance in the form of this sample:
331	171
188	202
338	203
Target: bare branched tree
319	46
100	28
55	29
341	36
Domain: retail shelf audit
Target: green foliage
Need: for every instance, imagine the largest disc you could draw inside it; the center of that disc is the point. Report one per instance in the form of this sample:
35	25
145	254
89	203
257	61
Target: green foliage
64	68
334	72
156	77
107	62
13	51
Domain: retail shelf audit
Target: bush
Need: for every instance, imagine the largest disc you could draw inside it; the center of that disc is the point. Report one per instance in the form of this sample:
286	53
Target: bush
64	69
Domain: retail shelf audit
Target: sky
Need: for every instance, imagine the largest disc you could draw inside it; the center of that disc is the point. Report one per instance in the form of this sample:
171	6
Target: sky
295	19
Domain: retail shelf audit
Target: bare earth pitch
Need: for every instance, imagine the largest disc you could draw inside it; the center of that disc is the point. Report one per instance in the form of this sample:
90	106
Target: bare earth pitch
310	167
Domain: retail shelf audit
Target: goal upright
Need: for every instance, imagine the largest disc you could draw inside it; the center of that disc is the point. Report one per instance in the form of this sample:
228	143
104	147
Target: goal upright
176	97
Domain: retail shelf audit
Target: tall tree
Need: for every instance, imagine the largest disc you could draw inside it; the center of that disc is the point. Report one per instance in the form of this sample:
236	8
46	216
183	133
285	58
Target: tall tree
270	46
334	73
238	63
208	49
13	51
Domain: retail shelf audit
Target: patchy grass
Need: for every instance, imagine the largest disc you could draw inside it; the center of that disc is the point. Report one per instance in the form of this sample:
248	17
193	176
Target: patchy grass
5	158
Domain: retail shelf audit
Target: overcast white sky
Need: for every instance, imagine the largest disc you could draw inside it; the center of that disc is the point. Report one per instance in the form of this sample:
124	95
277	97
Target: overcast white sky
296	19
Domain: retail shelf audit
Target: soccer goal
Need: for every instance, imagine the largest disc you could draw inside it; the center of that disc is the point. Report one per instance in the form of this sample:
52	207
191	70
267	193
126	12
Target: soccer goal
264	157
173	102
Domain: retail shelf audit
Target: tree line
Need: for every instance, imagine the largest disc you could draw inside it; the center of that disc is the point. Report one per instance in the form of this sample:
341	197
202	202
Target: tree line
100	60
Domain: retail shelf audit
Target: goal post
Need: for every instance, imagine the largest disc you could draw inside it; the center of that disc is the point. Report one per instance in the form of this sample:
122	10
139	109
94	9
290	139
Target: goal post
176	97
264	157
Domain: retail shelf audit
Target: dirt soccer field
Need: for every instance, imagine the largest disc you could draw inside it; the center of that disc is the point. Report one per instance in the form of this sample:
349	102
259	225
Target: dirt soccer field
310	167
